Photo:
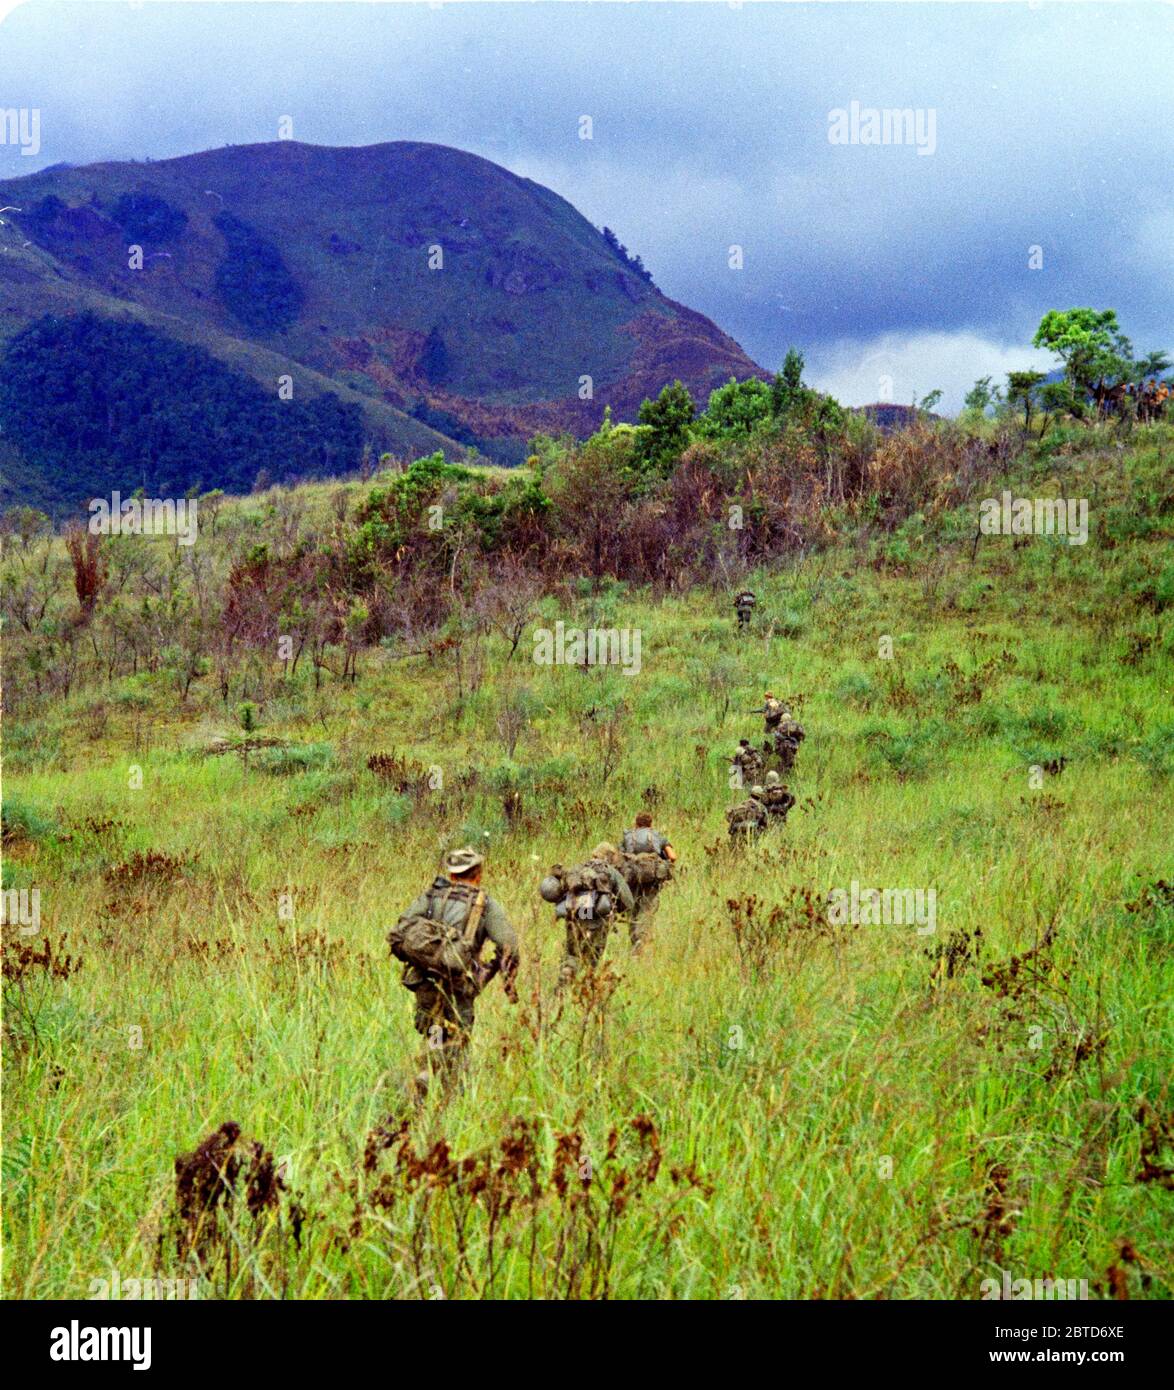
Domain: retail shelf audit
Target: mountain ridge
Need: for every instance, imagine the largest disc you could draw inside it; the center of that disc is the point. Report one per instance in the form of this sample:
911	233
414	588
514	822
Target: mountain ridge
456	301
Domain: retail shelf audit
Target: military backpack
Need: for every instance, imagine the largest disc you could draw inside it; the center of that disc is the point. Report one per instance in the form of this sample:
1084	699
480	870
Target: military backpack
587	894
441	942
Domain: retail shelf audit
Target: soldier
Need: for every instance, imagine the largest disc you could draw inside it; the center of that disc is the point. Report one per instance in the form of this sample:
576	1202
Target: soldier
586	898
788	735
649	859
777	798
748	762
744	606
748	819
773	710
440	939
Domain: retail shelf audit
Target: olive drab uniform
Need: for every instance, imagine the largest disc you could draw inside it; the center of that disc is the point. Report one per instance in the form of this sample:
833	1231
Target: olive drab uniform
749	763
788	735
777	799
643	840
773	711
749	818
595	892
445	1004
744	606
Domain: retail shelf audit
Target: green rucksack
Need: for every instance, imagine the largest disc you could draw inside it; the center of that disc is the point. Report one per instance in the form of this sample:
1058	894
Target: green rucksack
747	815
644	865
441	942
587	897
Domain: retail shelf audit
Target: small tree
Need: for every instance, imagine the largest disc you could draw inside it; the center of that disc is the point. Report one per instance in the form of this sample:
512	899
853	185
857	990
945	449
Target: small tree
668	419
735	409
1090	344
1021	391
787	390
982	395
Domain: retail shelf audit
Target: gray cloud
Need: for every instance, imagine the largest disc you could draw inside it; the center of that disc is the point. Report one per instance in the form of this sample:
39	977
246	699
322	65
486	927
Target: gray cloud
710	130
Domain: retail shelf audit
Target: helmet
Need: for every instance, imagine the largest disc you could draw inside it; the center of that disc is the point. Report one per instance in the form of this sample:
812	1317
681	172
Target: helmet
551	888
772	779
756	791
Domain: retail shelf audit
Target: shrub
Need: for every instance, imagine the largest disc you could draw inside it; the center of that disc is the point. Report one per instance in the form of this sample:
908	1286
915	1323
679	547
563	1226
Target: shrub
283	762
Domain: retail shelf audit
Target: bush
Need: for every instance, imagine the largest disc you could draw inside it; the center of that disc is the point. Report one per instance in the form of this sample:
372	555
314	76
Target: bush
284	762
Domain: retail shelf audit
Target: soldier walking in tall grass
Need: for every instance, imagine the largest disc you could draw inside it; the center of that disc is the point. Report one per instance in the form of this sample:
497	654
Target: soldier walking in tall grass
586	899
648	858
440	939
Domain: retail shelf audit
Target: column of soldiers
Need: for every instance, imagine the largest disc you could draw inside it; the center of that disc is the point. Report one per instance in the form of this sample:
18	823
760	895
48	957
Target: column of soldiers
770	798
442	935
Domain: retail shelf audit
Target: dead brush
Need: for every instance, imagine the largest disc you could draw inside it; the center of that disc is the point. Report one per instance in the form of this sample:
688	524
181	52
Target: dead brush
996	1221
1072	1051
592	993
790	927
523	1216
234	1218
950	958
1116	1283
968	687
403	774
303	950
1157	1146
30	972
1027	972
141	880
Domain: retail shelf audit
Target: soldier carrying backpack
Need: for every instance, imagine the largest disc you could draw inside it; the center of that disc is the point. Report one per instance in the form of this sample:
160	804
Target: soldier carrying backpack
744	602
788	735
440	939
748	819
648	865
586	898
777	798
773	711
748	762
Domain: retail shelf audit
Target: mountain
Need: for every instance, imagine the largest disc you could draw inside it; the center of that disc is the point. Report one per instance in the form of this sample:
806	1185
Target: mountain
452	301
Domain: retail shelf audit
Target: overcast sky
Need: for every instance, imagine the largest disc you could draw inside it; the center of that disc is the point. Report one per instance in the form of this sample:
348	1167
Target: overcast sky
896	271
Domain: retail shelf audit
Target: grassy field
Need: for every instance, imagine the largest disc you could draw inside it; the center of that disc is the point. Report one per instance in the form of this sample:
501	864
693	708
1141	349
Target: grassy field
762	1104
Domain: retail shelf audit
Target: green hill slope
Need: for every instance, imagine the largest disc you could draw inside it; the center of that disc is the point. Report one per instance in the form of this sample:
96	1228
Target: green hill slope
788	1108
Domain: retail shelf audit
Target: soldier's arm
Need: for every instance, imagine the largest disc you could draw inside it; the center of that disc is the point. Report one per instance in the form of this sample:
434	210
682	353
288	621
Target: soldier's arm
623	892
666	849
499	930
501	933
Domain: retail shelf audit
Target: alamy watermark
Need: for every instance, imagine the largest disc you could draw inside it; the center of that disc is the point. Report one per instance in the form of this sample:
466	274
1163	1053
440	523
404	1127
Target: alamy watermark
117	1289
593	646
1021	1289
871	125
1038	516
888	907
21	907
78	1343
21	125
144	516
